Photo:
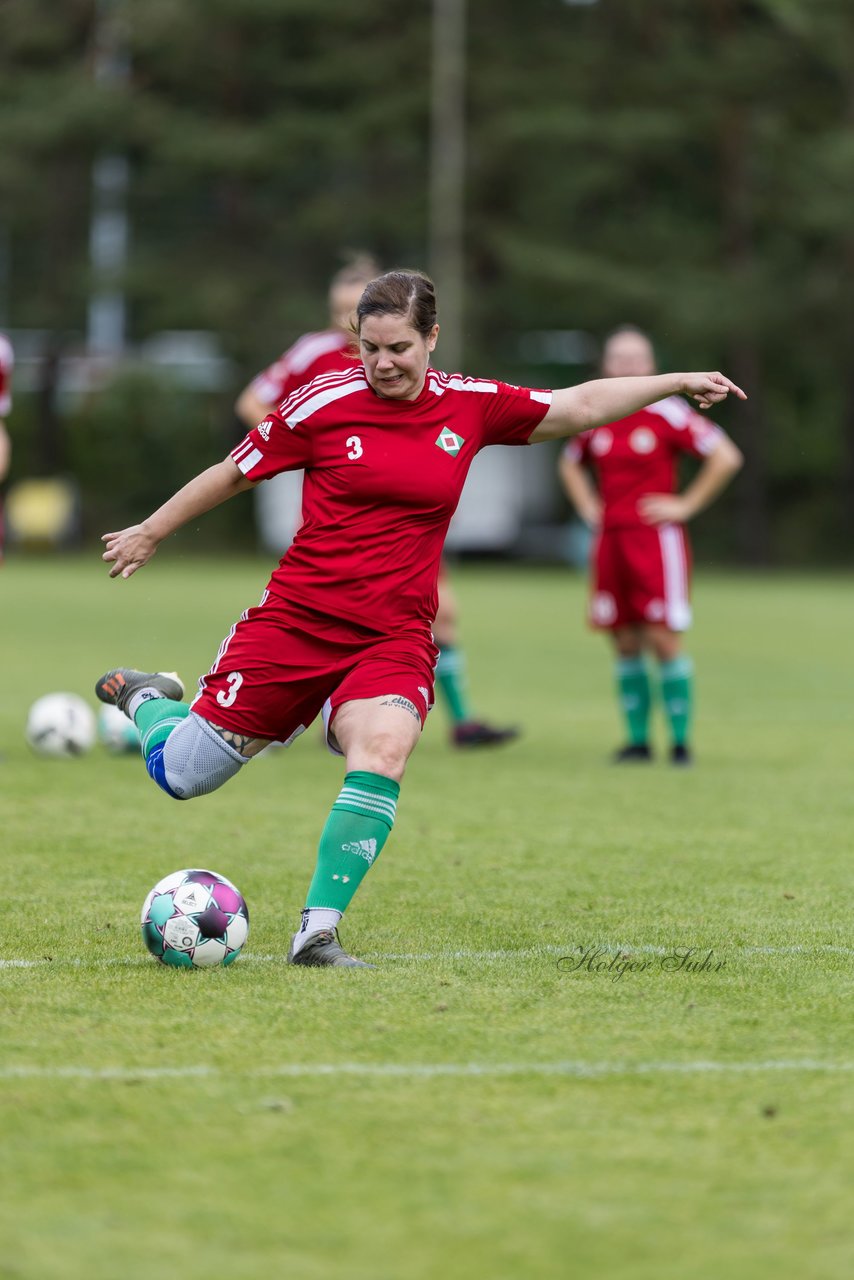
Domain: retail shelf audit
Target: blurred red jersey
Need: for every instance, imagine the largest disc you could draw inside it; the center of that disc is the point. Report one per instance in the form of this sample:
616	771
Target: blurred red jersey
637	455
382	480
310	356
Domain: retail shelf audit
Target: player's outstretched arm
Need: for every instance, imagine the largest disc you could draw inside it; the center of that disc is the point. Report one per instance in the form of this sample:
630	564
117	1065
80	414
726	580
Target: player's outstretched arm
129	549
592	404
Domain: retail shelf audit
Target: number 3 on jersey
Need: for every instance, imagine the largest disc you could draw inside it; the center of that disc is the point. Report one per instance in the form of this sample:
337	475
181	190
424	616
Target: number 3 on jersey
225	698
354	445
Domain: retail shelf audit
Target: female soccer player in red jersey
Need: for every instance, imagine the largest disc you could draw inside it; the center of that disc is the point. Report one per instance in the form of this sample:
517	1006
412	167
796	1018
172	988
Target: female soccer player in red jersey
641	557
328	351
344	625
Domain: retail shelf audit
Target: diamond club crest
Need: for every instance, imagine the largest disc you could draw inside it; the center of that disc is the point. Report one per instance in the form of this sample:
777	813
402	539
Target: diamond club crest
450	443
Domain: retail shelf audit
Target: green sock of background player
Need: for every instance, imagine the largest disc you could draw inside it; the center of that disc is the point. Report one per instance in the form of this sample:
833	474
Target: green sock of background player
633	693
677	694
451	683
356	830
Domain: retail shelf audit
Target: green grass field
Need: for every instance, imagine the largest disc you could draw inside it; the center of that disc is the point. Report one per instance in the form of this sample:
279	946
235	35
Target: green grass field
473	1106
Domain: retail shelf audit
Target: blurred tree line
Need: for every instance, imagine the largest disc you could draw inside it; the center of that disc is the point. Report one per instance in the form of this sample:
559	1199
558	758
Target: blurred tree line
683	165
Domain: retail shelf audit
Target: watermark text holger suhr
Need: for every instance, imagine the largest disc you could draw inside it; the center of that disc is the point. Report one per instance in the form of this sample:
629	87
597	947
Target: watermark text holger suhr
616	964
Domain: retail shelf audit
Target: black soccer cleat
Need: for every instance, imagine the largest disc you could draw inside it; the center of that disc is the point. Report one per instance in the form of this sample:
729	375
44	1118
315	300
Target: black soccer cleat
634	753
681	755
323	948
476	733
117	687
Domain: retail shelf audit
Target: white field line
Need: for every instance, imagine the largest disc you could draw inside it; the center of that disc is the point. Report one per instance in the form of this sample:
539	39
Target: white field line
428	1070
521	953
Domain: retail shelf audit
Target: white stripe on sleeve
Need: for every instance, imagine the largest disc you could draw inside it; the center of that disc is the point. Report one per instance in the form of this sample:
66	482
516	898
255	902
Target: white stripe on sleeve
249	461
327	396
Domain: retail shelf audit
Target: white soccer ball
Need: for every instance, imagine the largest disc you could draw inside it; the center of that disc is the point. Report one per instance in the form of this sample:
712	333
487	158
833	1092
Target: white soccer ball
61	724
194	919
115	732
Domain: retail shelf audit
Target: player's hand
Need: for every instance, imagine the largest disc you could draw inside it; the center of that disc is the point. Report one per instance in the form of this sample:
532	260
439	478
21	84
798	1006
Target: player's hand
710	388
664	508
128	550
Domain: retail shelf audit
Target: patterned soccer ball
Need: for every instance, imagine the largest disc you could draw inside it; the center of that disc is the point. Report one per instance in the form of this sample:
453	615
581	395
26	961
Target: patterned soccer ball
194	919
115	732
61	724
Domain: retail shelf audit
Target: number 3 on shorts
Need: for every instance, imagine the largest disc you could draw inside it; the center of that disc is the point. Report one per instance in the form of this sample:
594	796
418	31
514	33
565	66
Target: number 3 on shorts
226	698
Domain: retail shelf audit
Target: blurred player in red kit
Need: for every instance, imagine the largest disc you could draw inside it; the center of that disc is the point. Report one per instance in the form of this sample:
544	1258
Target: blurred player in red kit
344	626
6	364
331	350
641	556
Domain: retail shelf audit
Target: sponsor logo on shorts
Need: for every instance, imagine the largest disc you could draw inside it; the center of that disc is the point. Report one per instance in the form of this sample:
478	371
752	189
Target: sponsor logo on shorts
366	849
655	610
424	694
264	429
603	609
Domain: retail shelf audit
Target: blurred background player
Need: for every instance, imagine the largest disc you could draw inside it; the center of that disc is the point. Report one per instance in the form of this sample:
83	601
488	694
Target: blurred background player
641	558
6	362
279	500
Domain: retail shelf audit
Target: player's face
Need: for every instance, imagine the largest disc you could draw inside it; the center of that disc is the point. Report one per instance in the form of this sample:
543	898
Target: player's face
395	355
628	355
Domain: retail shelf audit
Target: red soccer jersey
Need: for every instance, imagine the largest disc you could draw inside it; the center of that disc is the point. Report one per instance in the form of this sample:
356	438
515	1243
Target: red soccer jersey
310	356
6	362
637	455
382	479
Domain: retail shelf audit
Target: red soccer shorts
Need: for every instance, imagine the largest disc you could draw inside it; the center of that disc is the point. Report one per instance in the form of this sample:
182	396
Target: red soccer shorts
280	663
641	574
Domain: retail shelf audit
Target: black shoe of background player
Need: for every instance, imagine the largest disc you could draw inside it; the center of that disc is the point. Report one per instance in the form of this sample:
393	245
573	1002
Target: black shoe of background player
634	753
475	733
681	755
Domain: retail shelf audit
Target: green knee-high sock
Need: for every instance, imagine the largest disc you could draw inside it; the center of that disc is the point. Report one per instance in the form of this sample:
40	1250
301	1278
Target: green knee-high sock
451	683
677	694
155	719
355	832
634	698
